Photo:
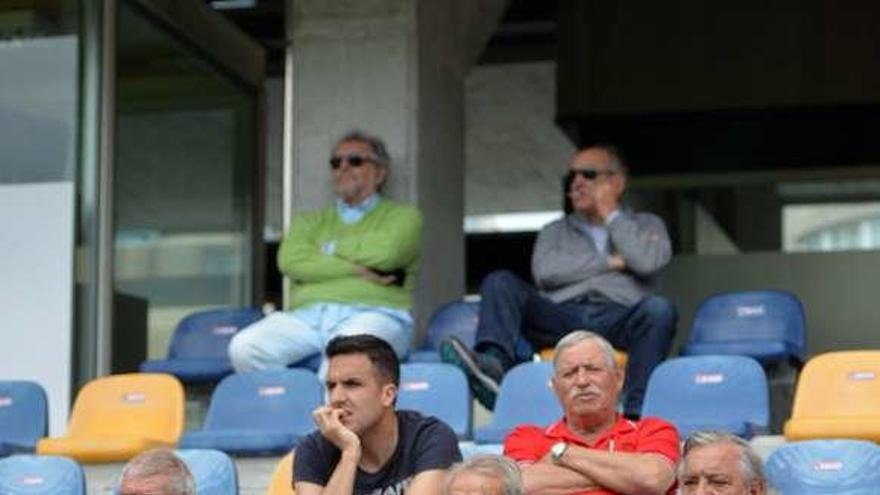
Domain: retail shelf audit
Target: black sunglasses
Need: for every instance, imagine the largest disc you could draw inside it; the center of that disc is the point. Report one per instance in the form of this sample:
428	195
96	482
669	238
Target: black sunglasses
352	160
587	173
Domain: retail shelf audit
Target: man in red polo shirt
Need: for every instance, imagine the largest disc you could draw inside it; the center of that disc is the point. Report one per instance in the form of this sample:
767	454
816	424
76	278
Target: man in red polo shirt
593	449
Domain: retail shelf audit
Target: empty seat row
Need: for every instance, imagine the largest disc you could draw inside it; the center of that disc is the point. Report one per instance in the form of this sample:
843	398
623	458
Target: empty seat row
265	413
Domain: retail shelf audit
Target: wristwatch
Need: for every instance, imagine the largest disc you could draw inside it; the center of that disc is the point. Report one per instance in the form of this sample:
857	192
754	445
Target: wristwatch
557	451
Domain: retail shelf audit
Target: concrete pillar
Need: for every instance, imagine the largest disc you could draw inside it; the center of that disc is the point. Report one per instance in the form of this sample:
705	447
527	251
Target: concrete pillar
394	68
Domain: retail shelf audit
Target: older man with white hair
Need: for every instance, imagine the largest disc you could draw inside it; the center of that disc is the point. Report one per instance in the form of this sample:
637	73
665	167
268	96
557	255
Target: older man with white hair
353	266
593	448
718	463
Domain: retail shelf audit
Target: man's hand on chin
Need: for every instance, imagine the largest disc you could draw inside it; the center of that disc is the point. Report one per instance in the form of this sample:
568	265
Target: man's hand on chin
328	420
605	199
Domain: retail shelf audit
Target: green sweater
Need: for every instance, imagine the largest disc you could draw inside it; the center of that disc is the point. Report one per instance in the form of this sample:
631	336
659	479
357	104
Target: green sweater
386	238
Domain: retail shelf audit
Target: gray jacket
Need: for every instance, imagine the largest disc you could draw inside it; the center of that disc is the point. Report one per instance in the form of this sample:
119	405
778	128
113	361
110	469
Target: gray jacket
566	264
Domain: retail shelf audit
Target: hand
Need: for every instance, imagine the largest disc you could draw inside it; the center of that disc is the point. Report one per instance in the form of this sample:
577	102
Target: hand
374	277
331	428
606	198
616	262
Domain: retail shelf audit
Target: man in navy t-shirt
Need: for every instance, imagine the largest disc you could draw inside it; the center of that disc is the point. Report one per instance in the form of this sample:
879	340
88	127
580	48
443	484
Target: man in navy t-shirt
363	446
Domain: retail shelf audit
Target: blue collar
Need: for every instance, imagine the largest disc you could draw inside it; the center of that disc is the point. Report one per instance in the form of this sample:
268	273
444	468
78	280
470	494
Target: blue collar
354	214
597	233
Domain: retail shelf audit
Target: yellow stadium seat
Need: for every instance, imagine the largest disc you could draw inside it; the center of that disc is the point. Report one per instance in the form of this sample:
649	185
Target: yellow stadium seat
838	396
282	477
116	417
619	356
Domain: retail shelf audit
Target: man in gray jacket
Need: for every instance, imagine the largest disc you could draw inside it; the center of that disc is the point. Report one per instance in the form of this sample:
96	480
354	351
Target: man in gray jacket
593	269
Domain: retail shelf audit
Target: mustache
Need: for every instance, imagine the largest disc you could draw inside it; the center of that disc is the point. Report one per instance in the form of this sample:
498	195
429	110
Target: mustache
588	390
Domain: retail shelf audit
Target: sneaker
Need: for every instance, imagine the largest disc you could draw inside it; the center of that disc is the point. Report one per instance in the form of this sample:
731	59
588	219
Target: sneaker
484	372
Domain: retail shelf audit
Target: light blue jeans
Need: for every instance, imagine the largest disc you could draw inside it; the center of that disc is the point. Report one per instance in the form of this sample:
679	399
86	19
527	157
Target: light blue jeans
286	337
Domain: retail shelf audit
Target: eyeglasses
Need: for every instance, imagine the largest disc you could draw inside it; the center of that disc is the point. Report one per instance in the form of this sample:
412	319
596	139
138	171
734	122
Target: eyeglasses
588	174
352	160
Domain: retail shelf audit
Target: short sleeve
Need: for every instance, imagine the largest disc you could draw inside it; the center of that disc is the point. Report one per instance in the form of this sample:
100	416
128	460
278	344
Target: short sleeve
308	463
660	437
522	444
435	448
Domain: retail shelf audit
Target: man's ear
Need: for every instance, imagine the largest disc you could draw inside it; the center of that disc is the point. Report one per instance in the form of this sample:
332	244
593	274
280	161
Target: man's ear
553	385
618	181
382	173
389	394
758	488
619	378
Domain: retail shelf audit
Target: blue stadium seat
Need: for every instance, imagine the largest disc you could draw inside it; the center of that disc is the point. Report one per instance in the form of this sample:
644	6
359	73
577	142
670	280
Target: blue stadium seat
214	472
727	393
766	325
23	416
456	319
198	349
439	390
825	467
525	398
41	475
470	449
259	413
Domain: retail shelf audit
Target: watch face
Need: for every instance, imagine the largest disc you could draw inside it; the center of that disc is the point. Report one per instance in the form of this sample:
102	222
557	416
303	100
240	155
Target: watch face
557	450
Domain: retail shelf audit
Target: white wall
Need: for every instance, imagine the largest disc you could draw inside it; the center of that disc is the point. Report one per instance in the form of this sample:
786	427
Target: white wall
515	154
36	260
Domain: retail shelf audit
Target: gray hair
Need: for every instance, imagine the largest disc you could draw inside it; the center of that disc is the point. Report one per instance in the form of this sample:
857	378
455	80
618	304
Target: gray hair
578	336
161	463
494	466
615	159
749	462
383	159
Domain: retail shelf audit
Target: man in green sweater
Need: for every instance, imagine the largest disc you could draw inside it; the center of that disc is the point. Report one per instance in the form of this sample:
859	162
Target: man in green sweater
353	267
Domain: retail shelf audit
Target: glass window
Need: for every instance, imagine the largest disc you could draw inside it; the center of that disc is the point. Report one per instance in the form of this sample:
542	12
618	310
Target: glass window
831	226
183	183
38	90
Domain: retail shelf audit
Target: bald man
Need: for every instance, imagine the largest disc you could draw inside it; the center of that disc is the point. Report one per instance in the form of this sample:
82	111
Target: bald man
593	269
156	472
484	474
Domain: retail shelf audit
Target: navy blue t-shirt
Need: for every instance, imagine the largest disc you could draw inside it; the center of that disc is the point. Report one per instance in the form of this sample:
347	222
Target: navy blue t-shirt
423	443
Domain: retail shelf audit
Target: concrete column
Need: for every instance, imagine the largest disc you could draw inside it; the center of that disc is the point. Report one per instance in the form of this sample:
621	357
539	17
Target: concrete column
394	68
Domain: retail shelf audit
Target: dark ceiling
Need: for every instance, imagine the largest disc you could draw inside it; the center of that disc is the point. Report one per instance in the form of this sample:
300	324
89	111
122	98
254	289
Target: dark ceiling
681	85
526	33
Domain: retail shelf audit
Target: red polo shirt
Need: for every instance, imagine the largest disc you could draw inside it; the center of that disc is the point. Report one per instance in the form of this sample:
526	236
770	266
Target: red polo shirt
530	443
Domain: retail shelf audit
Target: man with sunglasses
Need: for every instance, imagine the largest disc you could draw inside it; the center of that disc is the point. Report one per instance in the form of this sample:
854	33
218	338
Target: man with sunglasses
593	269
352	265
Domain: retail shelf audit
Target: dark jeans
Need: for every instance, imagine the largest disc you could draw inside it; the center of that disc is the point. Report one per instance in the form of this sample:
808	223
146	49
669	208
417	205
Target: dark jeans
511	309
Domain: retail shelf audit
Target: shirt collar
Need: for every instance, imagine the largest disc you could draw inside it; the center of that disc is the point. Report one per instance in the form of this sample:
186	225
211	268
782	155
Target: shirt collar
597	232
353	213
561	431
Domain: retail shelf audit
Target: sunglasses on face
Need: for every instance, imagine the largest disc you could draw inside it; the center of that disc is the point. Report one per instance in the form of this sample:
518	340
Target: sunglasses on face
587	173
352	160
